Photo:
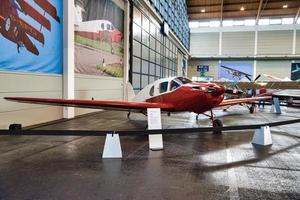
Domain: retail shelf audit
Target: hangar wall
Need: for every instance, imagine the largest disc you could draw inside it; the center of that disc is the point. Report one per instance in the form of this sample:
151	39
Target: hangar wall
28	84
271	49
100	88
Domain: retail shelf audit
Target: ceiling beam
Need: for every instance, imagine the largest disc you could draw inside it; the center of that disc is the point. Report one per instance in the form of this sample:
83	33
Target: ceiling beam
245	14
258	11
221	18
290	3
191	4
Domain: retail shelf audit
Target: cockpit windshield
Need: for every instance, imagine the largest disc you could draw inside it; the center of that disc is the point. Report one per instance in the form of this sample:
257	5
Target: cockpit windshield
182	80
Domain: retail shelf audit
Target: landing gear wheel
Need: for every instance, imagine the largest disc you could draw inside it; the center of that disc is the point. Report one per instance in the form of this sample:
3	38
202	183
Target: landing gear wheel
217	123
252	108
128	115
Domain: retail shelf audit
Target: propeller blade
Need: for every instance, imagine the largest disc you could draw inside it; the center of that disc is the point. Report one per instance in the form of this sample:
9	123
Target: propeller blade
257	77
248	77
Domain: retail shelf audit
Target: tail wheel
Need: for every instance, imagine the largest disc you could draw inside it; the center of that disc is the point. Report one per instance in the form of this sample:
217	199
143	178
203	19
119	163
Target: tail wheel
217	123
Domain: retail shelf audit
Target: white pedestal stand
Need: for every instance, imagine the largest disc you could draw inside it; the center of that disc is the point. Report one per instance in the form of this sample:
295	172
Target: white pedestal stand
154	122
276	106
262	136
112	146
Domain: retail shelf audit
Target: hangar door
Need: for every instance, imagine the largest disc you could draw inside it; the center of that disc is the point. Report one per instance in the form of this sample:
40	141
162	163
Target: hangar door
153	55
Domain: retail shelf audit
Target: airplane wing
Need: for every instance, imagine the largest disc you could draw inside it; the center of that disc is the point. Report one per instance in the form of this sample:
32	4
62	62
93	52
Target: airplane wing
29	45
110	105
36	15
2	20
30	30
243	100
49	8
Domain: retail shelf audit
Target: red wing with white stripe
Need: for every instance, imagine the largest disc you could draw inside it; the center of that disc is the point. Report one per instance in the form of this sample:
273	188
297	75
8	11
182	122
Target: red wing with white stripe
243	100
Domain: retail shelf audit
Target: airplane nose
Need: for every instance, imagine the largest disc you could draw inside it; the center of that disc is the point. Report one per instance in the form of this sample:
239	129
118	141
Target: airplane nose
218	90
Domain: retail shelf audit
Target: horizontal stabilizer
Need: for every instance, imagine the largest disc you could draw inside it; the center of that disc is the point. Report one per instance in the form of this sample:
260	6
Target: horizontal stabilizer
36	15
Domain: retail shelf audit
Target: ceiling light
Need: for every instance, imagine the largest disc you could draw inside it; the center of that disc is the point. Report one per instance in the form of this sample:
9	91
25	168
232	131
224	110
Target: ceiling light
285	6
242	8
203	10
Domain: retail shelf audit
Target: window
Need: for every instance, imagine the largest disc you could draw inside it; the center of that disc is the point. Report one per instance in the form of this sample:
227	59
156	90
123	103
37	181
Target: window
102	26
174	85
151	93
108	26
153	55
163	87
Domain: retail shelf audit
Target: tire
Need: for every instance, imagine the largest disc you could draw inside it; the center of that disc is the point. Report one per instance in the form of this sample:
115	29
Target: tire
217	123
251	109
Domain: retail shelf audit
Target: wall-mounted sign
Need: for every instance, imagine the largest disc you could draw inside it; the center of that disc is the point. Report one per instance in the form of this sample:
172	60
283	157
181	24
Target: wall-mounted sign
202	68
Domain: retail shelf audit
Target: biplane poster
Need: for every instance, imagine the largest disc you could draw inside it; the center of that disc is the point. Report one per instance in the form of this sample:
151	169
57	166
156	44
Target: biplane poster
31	36
235	71
99	30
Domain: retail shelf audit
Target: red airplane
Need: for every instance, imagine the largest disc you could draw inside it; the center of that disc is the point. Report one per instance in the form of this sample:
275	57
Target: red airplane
176	94
98	30
16	29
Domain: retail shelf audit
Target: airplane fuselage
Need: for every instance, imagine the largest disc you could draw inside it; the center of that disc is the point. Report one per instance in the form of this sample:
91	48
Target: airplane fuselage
192	97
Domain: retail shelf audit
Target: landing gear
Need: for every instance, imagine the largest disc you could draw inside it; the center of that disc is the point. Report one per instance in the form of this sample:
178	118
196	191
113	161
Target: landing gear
128	115
217	123
252	108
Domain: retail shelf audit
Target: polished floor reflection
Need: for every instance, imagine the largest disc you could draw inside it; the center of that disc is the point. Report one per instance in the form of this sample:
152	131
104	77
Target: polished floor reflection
191	166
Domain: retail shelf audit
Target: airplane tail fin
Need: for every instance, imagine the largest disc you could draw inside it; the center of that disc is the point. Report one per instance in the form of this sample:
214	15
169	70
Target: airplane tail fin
129	92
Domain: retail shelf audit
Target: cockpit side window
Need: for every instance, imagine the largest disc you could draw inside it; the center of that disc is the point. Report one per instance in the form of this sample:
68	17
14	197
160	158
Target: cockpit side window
102	26
183	80
174	85
151	92
163	87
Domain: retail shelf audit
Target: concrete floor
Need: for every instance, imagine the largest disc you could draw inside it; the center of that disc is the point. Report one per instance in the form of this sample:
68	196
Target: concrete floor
191	166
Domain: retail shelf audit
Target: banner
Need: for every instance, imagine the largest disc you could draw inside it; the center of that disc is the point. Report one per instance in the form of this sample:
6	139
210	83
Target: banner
31	36
99	30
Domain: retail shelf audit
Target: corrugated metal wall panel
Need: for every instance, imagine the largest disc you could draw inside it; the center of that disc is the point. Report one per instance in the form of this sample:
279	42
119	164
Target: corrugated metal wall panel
275	42
204	44
238	43
298	42
280	69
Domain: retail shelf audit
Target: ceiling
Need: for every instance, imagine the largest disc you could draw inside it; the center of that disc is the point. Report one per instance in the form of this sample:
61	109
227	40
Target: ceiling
232	9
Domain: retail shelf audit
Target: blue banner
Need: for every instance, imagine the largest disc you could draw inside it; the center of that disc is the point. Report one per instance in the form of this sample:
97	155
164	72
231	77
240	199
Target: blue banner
31	36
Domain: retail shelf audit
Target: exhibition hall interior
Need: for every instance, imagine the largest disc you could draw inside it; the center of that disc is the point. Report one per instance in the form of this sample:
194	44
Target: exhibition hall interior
149	99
